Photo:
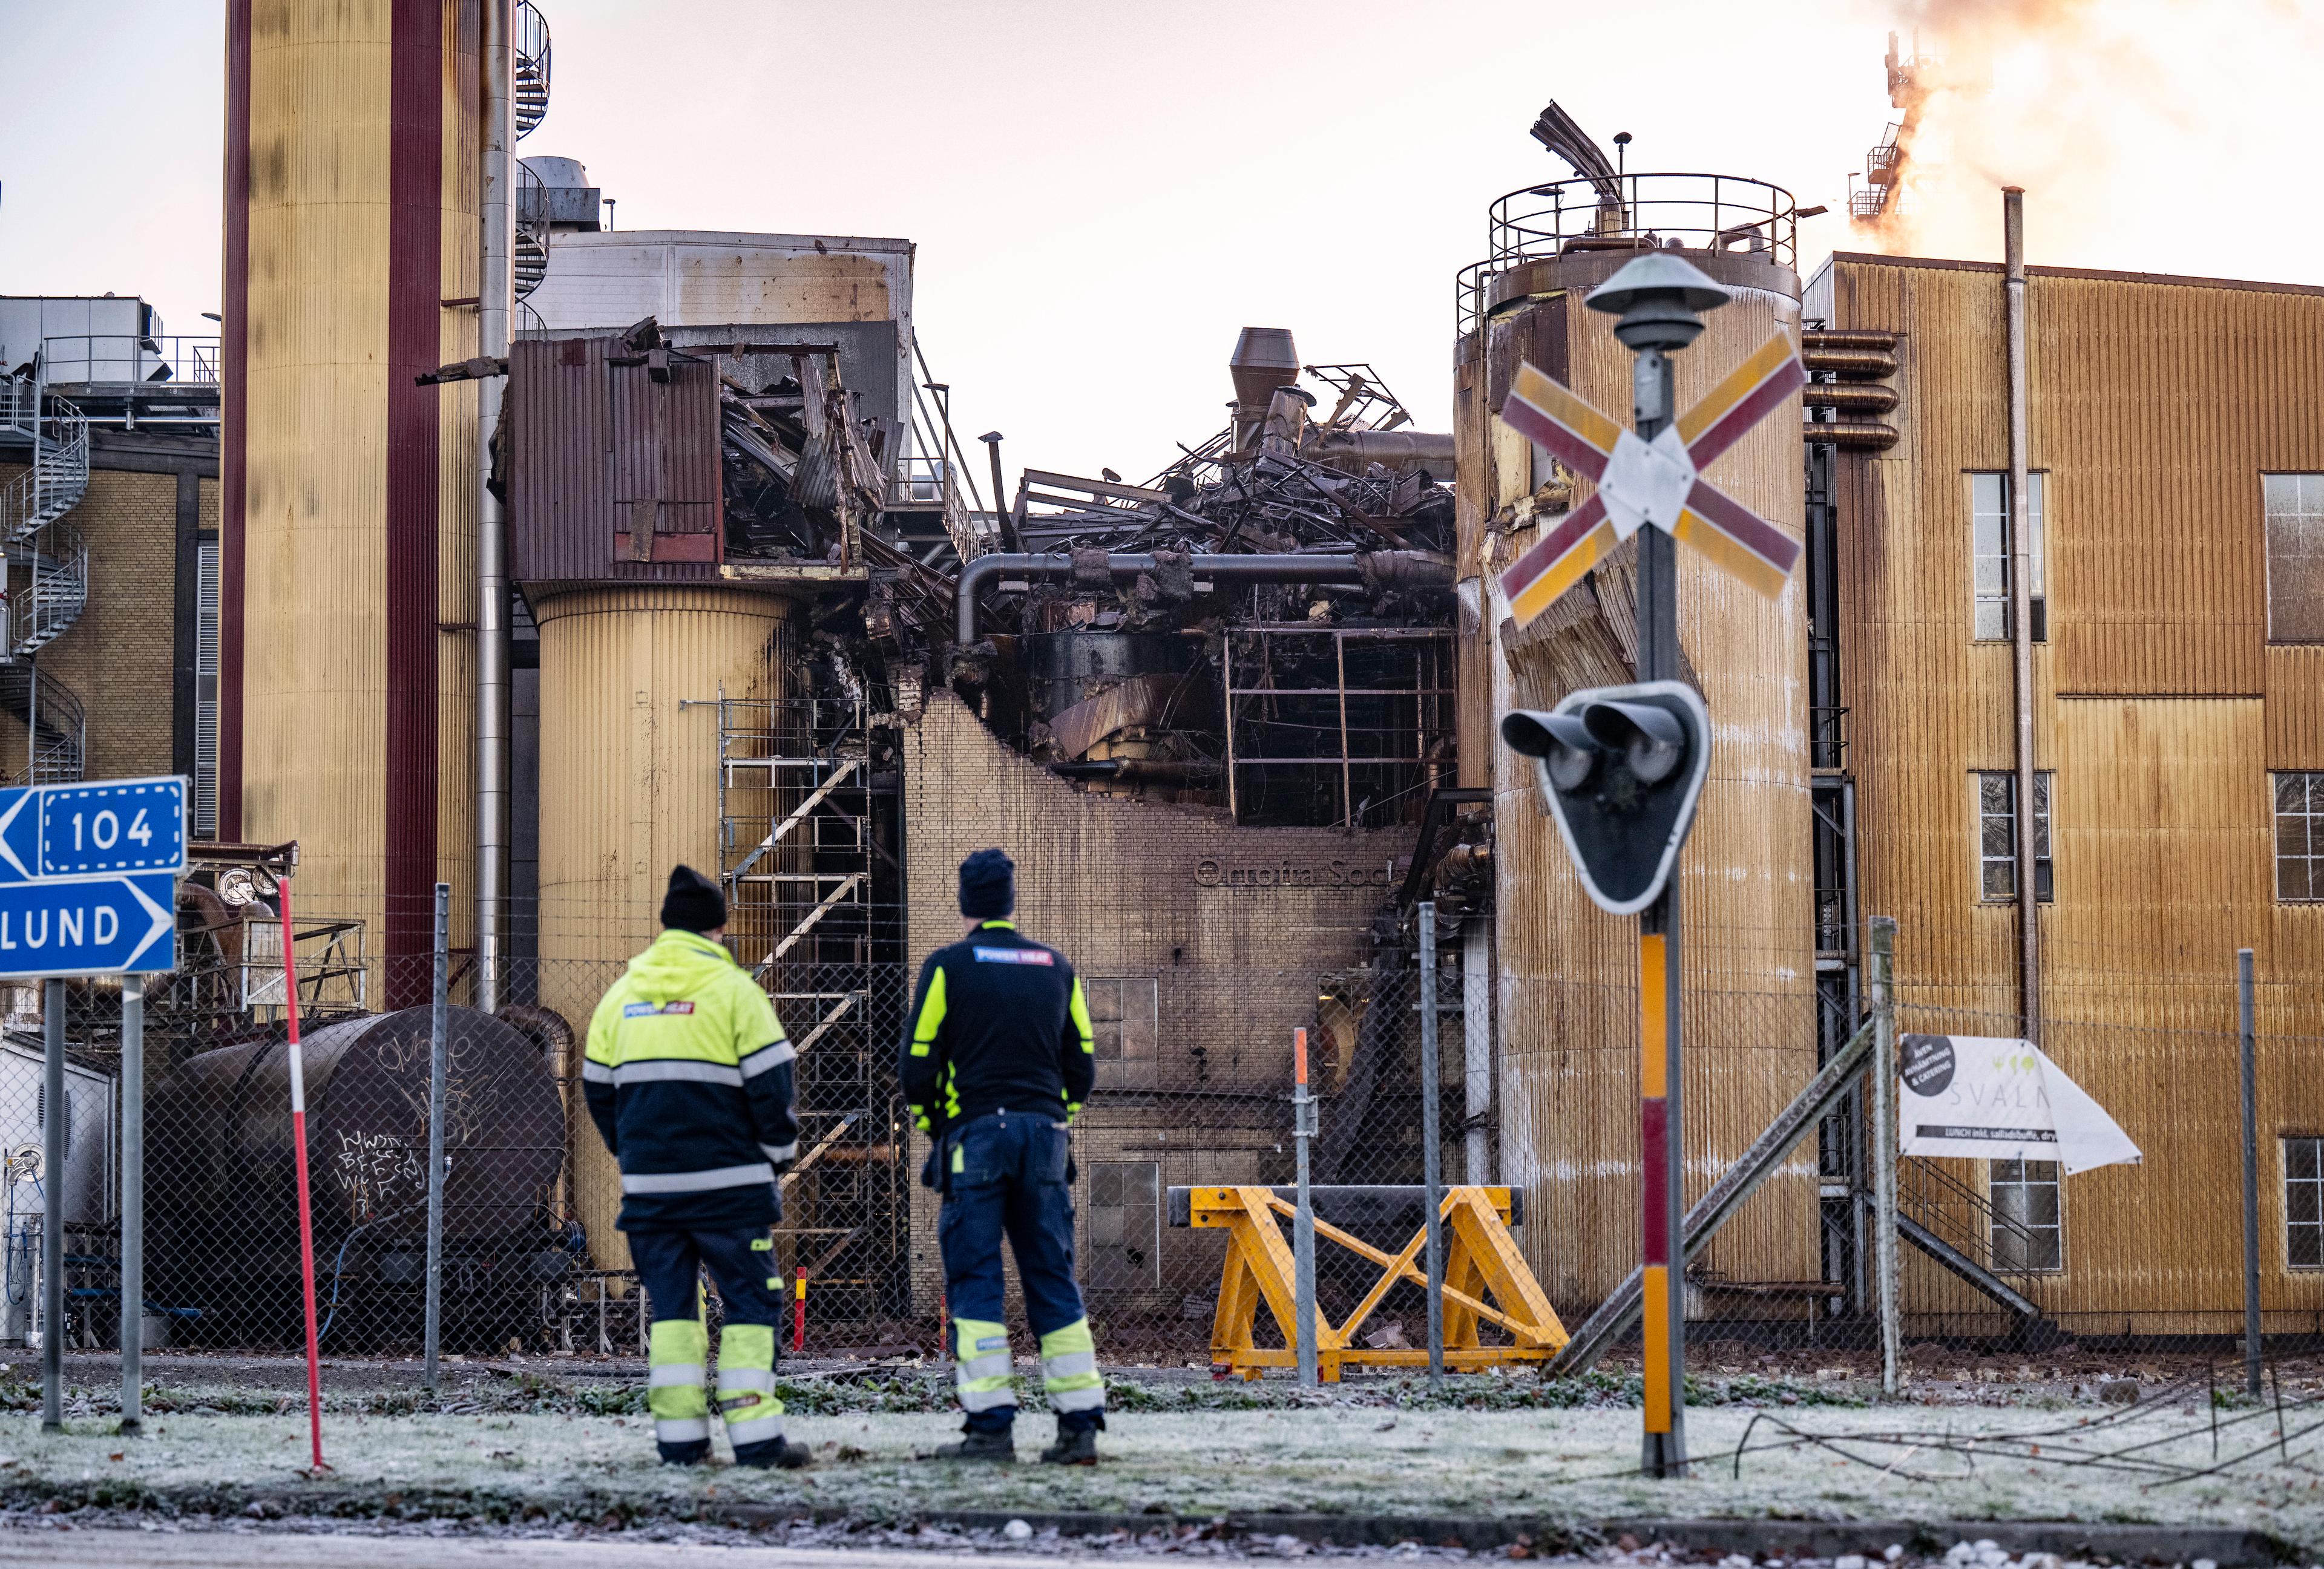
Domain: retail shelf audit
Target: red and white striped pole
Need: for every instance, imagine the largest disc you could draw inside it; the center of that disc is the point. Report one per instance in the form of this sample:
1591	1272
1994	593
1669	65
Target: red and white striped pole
306	1205
798	1315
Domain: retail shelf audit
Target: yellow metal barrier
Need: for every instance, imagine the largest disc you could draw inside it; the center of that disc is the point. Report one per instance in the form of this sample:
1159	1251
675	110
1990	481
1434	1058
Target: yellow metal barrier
1485	1281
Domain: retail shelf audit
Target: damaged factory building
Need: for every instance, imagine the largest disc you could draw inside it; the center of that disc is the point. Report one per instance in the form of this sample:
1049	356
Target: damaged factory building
1208	714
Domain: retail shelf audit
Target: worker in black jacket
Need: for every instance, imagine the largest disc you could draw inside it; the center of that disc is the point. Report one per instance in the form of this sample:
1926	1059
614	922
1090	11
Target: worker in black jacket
999	1057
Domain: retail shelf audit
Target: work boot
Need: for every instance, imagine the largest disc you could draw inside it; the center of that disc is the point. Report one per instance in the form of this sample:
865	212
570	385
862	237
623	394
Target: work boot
692	1453
778	1452
997	1448
1075	1446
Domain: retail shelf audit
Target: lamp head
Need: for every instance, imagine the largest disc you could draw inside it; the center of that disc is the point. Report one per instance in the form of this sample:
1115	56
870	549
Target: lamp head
1659	298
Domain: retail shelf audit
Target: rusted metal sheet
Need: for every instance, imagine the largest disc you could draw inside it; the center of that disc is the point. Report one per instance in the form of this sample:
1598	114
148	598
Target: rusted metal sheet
1139	701
1568	975
2160	712
615	470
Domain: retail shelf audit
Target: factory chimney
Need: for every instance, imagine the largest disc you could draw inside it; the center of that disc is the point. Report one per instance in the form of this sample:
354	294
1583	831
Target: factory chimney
1264	359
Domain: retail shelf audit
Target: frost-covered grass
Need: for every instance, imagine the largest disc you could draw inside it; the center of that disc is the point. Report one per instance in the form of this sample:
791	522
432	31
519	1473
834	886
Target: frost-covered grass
1343	1458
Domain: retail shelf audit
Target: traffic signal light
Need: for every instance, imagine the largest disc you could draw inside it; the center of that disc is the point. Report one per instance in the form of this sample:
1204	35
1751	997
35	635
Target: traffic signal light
1620	768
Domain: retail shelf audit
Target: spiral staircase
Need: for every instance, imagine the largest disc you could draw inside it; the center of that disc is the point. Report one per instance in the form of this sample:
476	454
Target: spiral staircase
529	259
46	585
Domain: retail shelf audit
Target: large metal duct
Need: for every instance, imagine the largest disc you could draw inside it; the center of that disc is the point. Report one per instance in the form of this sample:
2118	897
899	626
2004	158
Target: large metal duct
1404	568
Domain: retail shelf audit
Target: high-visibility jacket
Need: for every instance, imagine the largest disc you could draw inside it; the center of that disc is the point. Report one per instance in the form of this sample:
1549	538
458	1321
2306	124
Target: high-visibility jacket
999	1024
689	1077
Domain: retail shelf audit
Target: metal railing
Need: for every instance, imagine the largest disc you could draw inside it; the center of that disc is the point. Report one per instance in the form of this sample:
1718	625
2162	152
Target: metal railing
54	593
528	264
1630	212
1707	212
1957	1214
530	46
75	358
54	715
56	477
933	471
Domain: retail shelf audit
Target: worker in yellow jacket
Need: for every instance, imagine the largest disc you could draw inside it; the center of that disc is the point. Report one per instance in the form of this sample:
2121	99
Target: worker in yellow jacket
689	1079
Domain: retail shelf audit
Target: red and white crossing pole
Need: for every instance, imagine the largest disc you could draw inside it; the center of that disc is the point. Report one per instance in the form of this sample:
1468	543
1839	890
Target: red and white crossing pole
299	1149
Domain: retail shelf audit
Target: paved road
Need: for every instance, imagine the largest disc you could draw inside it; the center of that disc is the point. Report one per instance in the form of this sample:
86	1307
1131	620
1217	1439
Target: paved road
273	1549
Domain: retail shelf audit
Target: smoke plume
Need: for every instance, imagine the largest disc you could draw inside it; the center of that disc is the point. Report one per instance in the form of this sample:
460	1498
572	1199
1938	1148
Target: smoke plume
2143	131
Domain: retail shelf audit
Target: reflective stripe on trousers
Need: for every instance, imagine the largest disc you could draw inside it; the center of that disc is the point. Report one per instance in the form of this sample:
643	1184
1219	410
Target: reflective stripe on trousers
746	1384
676	1350
1069	1369
981	1367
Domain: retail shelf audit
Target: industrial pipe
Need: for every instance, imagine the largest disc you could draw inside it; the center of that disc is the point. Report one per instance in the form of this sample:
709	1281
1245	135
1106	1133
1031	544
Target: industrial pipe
2020	606
1415	568
1865	397
1140	770
1399	450
495	303
1869	435
1874	363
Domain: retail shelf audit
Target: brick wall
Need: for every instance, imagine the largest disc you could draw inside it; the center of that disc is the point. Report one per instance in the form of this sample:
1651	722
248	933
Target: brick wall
1218	935
118	657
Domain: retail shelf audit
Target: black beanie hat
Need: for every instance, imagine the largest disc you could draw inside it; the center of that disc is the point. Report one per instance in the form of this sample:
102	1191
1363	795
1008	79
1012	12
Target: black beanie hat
693	903
988	885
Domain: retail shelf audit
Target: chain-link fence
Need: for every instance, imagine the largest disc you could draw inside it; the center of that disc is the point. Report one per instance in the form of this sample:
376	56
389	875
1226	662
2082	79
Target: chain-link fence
1538	1092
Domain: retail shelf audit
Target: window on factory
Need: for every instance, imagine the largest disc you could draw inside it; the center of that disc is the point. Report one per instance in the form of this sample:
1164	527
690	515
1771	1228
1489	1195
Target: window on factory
2303	1203
205	691
1124	1019
1990	554
2300	837
2294	507
2028	1235
1124	1217
1995	801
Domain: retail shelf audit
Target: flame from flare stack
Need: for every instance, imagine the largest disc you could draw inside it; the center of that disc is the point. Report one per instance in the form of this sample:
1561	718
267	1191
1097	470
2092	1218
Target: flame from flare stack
2114	114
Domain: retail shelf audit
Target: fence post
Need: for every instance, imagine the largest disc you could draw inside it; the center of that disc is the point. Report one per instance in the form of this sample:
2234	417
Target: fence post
1432	1176
54	1109
2244	1010
133	1201
438	1021
1883	1142
1303	1221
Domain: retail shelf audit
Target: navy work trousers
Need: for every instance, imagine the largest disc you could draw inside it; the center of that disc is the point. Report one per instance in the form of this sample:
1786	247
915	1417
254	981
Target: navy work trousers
1005	1176
748	1289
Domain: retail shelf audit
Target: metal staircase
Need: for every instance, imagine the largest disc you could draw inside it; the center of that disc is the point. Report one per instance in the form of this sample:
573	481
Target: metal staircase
529	259
47	566
531	49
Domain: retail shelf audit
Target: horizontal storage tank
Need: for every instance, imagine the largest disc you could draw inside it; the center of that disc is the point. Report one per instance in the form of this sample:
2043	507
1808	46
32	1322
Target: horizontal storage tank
222	1183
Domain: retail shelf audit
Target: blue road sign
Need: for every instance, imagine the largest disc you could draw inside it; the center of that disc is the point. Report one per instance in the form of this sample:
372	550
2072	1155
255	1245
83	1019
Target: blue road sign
101	925
84	830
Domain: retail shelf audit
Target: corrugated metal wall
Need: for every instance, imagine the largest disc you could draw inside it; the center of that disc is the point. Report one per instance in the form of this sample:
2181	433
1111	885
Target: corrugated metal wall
2154	406
630	788
1568	973
595	442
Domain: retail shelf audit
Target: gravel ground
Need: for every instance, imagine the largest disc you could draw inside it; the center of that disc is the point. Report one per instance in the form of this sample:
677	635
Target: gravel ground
1575	1465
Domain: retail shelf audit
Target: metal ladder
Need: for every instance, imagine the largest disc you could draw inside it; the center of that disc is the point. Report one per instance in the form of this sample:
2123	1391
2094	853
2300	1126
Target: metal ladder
36	536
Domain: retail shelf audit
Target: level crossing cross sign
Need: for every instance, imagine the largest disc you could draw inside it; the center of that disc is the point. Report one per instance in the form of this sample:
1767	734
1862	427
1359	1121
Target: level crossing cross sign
1656	482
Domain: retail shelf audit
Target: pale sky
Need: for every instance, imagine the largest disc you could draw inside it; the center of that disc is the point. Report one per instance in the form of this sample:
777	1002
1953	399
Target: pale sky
1104	193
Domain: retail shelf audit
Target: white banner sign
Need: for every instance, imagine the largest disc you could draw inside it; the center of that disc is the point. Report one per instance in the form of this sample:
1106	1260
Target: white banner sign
1996	1099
